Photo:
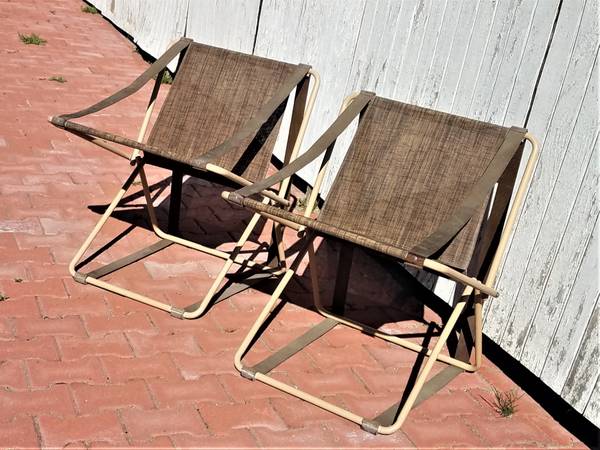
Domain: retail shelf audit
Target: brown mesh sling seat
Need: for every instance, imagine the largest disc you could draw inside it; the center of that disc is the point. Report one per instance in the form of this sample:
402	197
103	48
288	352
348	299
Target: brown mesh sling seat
416	185
220	119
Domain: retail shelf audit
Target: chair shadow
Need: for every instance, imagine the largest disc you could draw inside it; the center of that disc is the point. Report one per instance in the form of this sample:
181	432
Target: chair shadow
205	218
380	292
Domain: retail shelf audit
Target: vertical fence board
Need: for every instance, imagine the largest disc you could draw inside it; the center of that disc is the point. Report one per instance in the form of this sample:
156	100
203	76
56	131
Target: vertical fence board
154	25
585	366
592	410
570	328
560	246
224	23
429	89
323	34
489	71
552	119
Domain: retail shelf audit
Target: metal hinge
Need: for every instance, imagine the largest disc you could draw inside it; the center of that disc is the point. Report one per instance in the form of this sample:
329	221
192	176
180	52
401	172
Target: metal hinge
80	277
177	312
248	373
370	426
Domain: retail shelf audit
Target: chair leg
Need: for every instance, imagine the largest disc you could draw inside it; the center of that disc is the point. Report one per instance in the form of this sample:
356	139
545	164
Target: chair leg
175	201
94	277
186	243
270	306
197	309
259	372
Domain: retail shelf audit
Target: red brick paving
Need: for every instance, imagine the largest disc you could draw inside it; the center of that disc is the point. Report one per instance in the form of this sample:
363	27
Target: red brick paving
84	368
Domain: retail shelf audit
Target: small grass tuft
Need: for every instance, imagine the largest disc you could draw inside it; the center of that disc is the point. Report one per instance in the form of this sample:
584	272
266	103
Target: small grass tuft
18	280
167	78
505	402
3	297
89	9
57	78
302	202
31	39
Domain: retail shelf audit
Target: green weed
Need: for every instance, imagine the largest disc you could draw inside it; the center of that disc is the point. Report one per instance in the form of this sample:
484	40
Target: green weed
57	78
31	39
89	9
505	402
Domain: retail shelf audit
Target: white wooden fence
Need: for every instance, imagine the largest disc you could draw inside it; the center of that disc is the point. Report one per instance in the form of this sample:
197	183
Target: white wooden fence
529	63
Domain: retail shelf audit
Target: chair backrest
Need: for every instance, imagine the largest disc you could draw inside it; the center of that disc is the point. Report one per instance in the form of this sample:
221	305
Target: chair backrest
408	171
214	93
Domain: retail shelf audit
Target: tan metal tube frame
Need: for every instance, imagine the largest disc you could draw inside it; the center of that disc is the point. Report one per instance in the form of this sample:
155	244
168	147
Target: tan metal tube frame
471	286
196	310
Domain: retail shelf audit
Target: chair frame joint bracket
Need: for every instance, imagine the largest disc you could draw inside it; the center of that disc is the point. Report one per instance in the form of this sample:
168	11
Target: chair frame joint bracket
80	277
177	312
370	426
414	260
248	373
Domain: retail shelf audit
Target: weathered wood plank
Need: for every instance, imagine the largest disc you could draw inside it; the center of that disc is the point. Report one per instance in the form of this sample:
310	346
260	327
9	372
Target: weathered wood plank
552	194
324	34
390	78
457	55
416	36
571	326
228	24
427	49
510	100
480	35
153	25
552	119
585	369
560	245
498	88
373	50
592	410
498	41
428	91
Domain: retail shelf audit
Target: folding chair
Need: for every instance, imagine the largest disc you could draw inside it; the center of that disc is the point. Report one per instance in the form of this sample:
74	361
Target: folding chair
219	121
427	188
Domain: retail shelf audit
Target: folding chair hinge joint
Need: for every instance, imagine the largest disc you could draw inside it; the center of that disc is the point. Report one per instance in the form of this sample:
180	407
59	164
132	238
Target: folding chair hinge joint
370	426
177	312
236	198
80	277
414	260
59	121
248	373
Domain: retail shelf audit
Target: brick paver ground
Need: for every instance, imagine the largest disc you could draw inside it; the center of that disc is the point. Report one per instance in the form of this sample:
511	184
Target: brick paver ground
82	367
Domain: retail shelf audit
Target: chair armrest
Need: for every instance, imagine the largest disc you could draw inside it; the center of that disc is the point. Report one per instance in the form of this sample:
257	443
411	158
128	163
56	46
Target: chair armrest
158	65
321	145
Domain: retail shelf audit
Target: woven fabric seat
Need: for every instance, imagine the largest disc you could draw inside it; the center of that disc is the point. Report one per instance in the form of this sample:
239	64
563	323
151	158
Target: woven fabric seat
220	120
406	171
216	92
429	188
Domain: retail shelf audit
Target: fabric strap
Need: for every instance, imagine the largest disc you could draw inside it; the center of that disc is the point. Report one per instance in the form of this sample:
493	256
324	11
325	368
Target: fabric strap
258	120
139	82
298	344
326	139
249	128
475	198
